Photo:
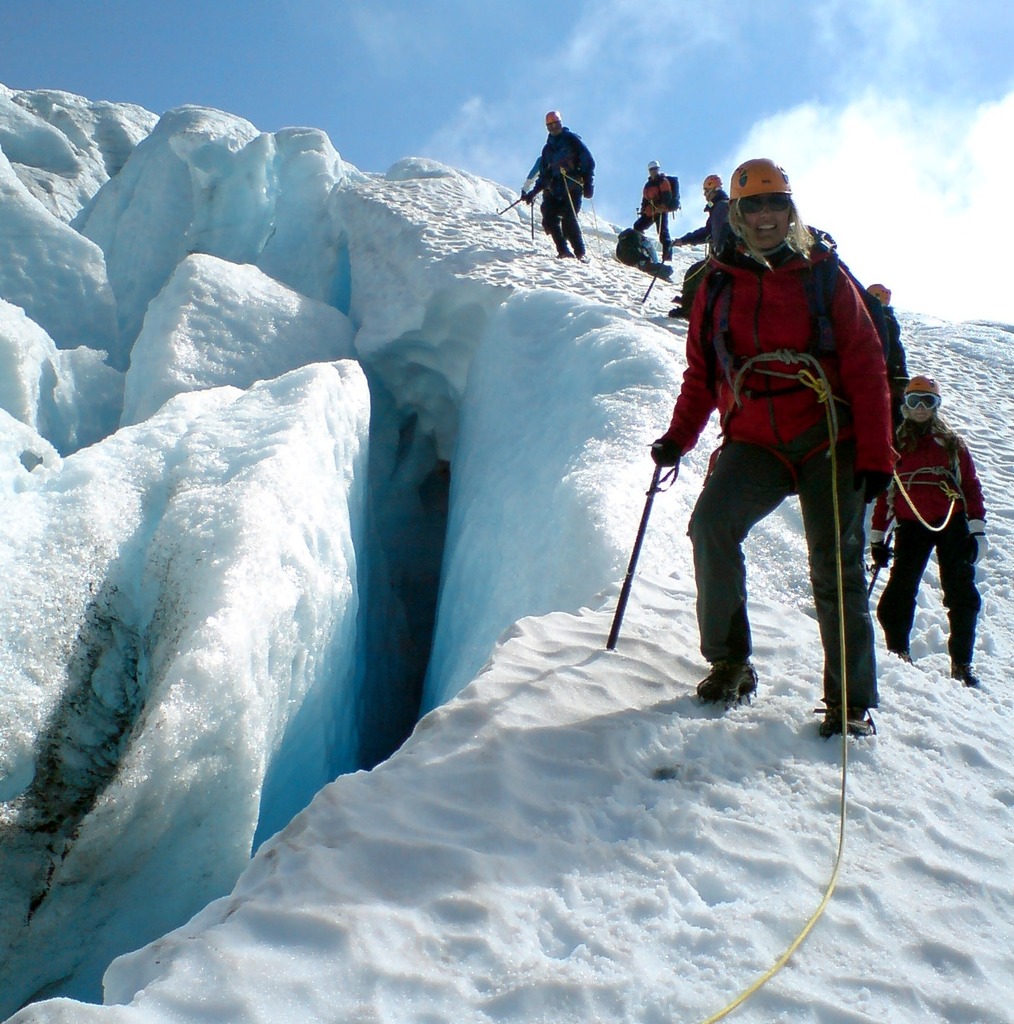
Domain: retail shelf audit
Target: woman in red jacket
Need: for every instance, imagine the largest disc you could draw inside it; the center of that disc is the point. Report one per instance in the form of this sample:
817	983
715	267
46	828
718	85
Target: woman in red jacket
749	357
936	502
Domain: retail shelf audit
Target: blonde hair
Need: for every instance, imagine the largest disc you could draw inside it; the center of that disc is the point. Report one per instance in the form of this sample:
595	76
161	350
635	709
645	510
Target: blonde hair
800	239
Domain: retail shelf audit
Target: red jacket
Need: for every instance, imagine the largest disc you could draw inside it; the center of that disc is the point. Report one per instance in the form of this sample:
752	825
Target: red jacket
930	477
768	312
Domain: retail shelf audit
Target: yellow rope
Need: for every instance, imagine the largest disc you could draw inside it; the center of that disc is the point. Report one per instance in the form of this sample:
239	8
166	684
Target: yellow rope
569	199
948	491
818	381
823	389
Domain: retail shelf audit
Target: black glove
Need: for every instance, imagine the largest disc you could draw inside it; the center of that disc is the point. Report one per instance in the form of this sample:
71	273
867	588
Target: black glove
977	547
527	197
665	452
881	554
871	483
589	189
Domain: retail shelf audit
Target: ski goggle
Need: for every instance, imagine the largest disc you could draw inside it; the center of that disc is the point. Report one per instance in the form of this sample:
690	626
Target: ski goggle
777	201
921	400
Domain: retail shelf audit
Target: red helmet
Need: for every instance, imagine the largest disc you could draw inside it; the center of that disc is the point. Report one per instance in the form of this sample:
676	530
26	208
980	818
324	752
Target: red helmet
711	182
758	178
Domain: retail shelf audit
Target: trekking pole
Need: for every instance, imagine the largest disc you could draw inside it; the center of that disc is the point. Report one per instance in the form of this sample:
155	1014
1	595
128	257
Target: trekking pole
533	223
621	604
511	207
595	229
644	298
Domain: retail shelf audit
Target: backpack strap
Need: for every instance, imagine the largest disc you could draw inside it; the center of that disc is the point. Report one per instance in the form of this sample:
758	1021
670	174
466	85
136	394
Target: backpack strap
821	280
716	320
719	301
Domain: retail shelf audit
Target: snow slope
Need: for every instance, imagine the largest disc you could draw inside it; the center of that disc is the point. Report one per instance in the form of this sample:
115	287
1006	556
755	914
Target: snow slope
567	834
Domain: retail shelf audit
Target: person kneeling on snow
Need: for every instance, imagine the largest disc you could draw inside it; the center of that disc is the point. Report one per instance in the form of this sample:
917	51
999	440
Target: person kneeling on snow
936	501
781	437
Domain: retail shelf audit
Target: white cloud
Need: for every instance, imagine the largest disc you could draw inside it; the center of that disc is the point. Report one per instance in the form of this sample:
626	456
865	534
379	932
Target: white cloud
896	183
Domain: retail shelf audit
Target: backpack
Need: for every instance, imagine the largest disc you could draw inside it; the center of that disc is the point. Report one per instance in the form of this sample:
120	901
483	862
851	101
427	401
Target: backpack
633	249
820	292
674	202
820	285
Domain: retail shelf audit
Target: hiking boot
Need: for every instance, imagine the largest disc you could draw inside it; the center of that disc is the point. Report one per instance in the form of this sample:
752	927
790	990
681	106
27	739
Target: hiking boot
679	313
728	683
565	254
901	653
859	722
964	673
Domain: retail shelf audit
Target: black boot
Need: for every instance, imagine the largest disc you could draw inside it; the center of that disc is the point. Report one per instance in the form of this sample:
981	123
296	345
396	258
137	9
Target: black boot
859	722
728	683
964	673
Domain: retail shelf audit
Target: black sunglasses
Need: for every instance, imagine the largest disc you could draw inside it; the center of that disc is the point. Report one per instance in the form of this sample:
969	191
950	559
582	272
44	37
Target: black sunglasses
777	201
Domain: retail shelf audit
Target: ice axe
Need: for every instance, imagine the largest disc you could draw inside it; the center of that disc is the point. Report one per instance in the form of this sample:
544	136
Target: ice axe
876	572
621	604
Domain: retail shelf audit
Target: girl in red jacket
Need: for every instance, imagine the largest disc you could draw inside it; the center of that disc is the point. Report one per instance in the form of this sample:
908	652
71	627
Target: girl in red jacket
936	501
749	357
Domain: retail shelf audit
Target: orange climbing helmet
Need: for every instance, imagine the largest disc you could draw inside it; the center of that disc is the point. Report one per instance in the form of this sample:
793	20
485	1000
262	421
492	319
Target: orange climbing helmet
920	385
759	177
880	292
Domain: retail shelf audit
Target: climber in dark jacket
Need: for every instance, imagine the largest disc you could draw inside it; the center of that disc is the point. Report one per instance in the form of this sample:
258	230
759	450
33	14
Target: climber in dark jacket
897	371
716	205
566	172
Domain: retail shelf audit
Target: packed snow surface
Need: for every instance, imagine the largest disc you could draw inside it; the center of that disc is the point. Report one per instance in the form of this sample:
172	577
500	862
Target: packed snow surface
291	453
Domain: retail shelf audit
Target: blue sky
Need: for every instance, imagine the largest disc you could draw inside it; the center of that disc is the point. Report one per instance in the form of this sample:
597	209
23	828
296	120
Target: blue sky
893	117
